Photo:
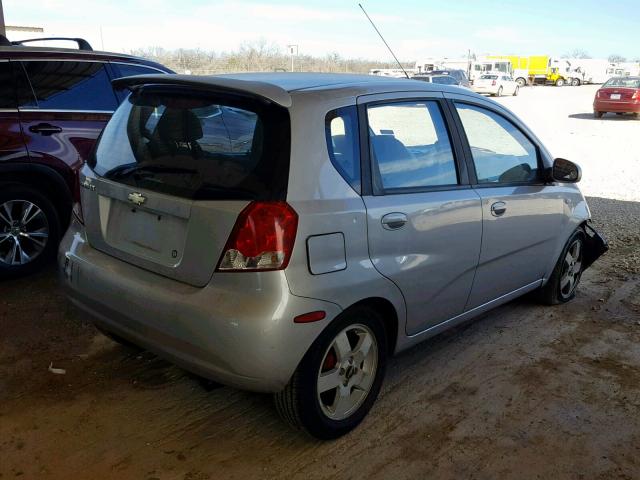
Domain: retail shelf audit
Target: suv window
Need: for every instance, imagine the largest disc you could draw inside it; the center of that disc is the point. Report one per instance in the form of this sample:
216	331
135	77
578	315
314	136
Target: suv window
195	146
127	70
501	152
8	91
67	85
341	128
410	146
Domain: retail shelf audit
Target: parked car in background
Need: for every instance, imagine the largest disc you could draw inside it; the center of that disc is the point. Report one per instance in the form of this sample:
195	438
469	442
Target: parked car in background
54	104
496	84
440	79
294	261
618	95
459	75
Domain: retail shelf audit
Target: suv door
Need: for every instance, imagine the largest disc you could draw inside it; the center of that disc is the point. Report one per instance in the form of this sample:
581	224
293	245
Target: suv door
424	220
63	109
522	216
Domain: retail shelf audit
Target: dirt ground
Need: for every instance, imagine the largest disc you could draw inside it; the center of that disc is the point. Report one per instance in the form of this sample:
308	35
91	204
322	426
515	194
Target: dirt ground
524	392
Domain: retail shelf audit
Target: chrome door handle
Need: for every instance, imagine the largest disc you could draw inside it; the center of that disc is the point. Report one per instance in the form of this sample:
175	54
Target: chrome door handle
498	209
45	129
394	221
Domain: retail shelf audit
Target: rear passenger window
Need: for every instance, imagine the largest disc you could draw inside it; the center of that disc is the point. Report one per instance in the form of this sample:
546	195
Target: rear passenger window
67	86
343	144
129	70
410	146
501	152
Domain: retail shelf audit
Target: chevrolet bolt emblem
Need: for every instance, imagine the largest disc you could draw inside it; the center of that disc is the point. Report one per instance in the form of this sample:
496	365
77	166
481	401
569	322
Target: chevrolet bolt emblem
88	185
137	198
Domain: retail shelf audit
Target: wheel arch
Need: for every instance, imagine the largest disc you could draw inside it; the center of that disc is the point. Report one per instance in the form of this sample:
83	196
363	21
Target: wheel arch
47	180
389	317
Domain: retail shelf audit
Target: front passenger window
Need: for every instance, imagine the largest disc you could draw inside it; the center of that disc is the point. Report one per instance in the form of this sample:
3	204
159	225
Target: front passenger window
501	152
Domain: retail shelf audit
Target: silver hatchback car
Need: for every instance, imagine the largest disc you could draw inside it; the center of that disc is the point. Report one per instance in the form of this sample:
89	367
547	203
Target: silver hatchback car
287	233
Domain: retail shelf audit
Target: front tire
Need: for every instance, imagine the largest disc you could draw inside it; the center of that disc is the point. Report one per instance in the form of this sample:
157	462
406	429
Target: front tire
561	286
560	82
575	82
29	230
339	378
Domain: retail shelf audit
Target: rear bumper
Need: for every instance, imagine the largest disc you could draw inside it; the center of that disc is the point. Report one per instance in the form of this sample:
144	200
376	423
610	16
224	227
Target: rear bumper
623	107
489	90
238	331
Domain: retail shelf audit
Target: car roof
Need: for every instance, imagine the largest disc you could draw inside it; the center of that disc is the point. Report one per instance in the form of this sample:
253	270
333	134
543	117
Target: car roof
278	87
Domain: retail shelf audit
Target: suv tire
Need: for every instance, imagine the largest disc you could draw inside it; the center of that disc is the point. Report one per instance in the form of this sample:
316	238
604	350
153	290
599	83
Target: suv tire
357	374
29	230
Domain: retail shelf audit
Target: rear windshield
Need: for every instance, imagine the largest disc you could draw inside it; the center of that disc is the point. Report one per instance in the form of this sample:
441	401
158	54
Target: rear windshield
489	77
623	82
197	145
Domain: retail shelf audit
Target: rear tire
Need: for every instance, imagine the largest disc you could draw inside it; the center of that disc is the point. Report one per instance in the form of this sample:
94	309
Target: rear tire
351	377
515	92
565	278
575	82
521	82
560	82
499	93
29	230
597	114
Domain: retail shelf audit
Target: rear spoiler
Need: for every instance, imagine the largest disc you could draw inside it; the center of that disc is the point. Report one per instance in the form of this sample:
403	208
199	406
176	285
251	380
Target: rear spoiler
266	91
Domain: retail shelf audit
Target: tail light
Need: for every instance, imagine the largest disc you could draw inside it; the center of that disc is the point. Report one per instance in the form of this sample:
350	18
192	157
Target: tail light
493	83
77	206
262	238
636	95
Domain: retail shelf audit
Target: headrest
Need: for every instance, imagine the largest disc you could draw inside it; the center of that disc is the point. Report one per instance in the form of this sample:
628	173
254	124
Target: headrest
179	125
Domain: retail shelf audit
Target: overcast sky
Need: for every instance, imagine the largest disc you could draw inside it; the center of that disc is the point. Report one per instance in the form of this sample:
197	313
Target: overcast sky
414	28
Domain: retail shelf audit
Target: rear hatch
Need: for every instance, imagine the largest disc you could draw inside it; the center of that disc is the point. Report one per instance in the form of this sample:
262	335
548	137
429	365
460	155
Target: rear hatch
172	171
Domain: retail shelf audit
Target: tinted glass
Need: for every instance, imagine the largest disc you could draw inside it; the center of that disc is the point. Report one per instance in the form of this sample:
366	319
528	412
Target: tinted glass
7	83
501	152
623	82
410	146
196	147
68	86
444	80
343	144
128	70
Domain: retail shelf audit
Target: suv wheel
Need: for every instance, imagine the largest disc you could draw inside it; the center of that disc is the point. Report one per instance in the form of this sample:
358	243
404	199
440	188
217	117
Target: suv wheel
561	286
339	378
29	230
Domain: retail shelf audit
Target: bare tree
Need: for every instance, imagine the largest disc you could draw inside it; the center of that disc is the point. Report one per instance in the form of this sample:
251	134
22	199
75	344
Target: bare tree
577	53
615	58
260	56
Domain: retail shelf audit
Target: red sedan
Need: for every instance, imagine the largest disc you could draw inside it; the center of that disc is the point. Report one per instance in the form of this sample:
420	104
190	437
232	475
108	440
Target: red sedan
619	95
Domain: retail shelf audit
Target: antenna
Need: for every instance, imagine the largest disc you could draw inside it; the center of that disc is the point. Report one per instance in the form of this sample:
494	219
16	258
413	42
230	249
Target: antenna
385	42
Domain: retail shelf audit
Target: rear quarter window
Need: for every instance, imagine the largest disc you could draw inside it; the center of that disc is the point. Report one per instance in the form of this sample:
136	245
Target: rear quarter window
341	128
198	146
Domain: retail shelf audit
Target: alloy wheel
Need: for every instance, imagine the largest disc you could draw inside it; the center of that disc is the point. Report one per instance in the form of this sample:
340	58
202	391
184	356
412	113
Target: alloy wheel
571	269
24	232
347	372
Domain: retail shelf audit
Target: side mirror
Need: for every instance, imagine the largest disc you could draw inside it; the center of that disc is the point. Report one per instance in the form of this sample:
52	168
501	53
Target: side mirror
565	171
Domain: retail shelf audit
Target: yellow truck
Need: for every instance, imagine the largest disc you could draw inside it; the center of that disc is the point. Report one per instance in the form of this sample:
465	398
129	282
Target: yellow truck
540	69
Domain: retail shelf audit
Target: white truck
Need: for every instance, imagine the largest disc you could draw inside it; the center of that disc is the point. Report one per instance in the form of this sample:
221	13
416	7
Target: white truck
591	70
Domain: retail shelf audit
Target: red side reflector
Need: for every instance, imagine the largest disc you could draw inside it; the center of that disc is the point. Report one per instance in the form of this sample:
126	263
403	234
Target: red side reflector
310	317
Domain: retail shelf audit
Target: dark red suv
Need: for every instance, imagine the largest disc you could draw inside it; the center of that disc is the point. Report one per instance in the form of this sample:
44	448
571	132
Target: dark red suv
53	105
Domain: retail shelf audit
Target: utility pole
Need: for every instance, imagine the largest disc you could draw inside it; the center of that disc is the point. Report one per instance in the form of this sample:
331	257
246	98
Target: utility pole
3	30
293	50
